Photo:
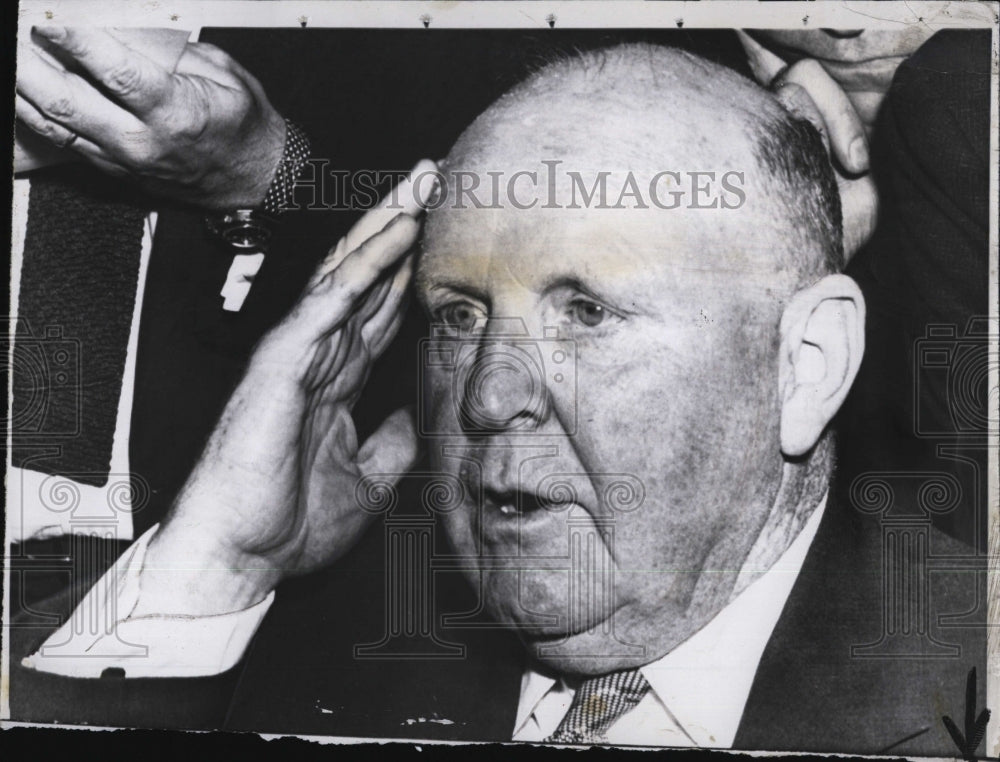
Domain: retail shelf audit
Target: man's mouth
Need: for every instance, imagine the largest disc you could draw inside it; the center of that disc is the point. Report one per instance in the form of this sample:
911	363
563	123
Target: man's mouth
516	503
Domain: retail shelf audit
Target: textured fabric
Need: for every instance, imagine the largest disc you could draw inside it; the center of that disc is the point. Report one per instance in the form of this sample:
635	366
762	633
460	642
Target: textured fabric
77	293
598	703
296	153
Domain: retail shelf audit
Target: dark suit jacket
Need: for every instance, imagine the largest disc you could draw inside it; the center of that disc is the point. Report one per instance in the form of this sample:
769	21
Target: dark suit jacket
871	649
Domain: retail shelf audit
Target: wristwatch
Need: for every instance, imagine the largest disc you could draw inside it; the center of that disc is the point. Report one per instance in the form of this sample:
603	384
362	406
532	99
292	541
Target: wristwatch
250	229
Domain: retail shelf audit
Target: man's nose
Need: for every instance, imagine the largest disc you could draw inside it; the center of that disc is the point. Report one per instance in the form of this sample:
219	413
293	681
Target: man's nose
504	388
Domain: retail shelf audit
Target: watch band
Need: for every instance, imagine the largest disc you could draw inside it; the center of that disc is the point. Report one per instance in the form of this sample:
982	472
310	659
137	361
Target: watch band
247	230
295	155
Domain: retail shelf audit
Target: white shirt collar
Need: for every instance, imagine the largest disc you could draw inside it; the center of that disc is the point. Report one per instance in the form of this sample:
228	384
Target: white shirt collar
703	684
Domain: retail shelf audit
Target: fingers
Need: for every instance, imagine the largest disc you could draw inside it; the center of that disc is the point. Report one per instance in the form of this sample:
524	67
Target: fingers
333	300
393	448
808	91
33	119
409	197
67	100
799	103
379	331
859	203
764	64
364	266
209	62
131	78
844	128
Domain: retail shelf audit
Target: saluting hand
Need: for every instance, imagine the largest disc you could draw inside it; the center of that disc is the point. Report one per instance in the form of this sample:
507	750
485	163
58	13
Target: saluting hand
273	494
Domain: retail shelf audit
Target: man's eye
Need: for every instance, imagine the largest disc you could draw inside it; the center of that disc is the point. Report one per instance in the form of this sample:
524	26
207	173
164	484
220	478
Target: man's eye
588	313
459	315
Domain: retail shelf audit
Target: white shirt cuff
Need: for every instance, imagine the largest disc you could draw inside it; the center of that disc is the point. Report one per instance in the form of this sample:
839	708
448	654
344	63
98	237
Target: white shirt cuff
100	634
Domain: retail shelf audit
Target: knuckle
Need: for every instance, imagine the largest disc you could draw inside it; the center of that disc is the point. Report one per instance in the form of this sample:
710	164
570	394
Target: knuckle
213	54
137	151
73	44
244	103
60	107
61	138
124	79
35	122
350	291
808	69
188	126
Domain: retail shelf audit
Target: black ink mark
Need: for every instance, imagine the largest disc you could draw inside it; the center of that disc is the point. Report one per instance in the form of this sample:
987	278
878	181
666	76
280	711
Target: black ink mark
551	19
904	739
680	23
303	21
975	727
426	21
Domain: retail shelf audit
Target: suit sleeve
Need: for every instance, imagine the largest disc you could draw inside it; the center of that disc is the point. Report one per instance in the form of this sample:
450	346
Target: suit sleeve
104	667
111	700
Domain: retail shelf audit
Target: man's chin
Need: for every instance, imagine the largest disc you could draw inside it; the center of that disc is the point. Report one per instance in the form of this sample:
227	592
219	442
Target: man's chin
589	641
596	651
535	604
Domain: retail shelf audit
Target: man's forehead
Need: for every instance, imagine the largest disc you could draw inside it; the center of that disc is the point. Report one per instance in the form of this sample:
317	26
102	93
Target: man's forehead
627	250
618	179
592	135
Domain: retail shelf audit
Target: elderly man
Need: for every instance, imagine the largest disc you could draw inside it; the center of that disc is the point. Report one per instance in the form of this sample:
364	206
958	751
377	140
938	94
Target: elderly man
695	351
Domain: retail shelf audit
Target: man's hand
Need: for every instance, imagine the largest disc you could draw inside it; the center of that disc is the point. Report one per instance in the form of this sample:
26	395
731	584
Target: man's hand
809	92
273	494
204	133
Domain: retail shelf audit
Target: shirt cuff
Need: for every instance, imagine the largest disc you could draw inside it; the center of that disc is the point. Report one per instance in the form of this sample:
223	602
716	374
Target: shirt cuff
100	633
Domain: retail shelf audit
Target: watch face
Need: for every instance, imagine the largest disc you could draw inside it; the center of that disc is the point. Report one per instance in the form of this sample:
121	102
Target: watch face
242	229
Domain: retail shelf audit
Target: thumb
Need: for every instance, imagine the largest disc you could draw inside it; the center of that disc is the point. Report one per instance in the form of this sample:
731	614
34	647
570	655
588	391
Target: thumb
393	448
859	205
764	64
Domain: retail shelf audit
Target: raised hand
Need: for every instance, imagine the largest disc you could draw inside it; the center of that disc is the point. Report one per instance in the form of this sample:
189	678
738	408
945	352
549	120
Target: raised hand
273	494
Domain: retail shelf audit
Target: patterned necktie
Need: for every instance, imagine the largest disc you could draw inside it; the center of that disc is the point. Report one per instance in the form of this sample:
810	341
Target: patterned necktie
79	277
598	703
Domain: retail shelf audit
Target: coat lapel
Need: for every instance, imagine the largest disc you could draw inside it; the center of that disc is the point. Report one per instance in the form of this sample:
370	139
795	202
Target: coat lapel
815	690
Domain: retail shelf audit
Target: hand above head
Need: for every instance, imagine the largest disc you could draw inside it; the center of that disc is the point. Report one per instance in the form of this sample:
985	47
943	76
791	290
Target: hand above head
203	133
809	92
273	494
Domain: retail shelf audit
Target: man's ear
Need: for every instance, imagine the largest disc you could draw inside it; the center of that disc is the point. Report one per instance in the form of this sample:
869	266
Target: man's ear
822	341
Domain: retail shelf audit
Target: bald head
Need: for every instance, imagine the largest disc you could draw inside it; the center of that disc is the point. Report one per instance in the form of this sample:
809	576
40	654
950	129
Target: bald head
659	114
